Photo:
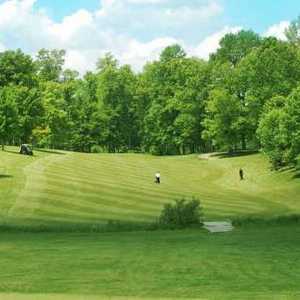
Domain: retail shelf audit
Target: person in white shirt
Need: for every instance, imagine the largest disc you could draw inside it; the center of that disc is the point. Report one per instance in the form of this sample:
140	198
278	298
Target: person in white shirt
157	177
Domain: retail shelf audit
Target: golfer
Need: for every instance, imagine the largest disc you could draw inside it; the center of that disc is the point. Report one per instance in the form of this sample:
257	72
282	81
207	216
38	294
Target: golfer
157	177
241	172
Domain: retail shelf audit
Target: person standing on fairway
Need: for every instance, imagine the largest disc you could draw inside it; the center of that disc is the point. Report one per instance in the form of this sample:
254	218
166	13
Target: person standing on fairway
241	172
157	177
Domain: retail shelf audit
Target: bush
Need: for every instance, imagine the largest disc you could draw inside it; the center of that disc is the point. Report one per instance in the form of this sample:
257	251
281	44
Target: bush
181	214
97	149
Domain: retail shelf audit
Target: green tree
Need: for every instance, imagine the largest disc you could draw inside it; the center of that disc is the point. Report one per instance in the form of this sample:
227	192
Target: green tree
269	70
49	64
235	46
222	124
8	115
279	129
30	111
172	52
117	106
55	122
273	135
292	33
175	89
17	68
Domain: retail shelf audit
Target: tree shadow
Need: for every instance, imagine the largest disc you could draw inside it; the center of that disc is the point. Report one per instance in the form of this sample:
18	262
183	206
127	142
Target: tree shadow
11	152
292	171
2	176
234	154
287	169
297	173
49	151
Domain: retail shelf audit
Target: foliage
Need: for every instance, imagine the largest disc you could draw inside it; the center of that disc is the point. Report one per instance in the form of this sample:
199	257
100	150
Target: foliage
8	114
175	105
292	33
223	118
181	214
49	64
279	129
177	89
233	47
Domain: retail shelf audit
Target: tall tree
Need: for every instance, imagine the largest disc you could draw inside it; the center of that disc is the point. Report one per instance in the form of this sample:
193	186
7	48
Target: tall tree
8	115
279	129
222	124
176	87
292	33
115	92
235	46
172	52
50	63
17	68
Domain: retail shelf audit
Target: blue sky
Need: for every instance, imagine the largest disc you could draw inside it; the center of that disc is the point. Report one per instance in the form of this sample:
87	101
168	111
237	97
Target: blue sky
58	9
135	31
255	14
260	14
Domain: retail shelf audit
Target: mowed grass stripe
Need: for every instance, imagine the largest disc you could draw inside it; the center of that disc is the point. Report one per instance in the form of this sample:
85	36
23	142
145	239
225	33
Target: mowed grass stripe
98	187
95	198
107	186
80	207
72	214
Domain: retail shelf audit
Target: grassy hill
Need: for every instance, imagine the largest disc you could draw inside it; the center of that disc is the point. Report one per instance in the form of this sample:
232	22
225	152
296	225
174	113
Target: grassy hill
60	188
66	188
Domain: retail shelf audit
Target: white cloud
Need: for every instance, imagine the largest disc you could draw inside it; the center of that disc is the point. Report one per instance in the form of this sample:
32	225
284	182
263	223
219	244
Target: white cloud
137	53
2	48
187	13
278	30
118	26
211	43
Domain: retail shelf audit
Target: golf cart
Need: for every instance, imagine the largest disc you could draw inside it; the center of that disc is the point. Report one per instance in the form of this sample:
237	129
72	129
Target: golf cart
25	150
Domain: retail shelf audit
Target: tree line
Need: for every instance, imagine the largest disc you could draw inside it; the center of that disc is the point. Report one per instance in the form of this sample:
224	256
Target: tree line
245	97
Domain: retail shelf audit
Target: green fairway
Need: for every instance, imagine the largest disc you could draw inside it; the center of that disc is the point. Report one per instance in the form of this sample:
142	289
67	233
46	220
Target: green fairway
248	263
63	188
66	187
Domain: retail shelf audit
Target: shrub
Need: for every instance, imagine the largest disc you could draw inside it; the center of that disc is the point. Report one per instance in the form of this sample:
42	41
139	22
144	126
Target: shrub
97	149
181	214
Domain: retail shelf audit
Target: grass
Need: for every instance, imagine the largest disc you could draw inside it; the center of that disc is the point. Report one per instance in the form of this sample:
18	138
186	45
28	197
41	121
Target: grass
248	263
62	189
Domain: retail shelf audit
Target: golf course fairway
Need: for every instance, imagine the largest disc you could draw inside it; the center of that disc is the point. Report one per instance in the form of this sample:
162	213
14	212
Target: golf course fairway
65	187
54	190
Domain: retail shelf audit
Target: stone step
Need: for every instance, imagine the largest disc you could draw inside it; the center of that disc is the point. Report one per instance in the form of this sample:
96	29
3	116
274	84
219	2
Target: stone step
214	227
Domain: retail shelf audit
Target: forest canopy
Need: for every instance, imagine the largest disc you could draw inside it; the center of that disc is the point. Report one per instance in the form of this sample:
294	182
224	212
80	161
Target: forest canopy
245	97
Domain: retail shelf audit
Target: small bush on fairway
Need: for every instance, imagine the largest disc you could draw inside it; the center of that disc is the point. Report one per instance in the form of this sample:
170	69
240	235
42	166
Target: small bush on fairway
181	214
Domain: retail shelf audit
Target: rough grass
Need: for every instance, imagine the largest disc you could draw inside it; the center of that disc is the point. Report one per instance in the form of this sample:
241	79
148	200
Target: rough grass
65	189
249	263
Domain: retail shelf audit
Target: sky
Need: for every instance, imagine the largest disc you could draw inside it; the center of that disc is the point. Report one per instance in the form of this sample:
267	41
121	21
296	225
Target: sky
135	31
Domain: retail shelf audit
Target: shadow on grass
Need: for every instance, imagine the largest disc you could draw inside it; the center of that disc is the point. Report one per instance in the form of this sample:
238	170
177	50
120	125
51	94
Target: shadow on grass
287	169
270	220
5	176
297	174
49	151
11	151
234	154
